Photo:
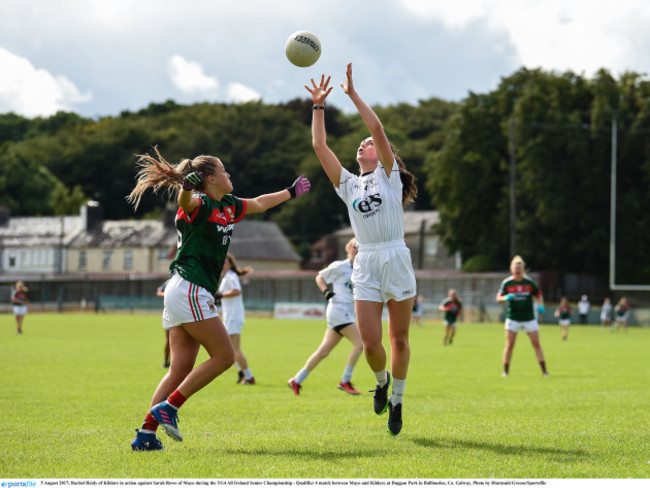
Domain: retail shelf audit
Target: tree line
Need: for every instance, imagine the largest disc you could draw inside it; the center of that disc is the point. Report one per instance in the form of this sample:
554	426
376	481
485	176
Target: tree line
555	127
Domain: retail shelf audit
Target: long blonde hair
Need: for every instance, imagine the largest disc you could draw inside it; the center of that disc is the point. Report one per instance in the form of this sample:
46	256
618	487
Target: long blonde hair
156	172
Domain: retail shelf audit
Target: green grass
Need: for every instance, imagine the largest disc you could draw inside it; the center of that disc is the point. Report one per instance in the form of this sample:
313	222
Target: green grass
75	386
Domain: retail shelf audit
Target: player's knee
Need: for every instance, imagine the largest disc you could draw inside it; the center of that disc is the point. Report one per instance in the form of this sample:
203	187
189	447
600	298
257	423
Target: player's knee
372	347
323	353
399	343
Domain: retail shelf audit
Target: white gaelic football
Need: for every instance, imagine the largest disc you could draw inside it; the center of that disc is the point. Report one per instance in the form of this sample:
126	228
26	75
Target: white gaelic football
302	48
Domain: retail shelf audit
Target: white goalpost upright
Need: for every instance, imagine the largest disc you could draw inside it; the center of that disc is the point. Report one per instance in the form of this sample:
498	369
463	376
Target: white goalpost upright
612	222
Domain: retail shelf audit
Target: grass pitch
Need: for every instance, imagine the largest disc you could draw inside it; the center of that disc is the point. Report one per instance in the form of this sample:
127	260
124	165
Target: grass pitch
75	386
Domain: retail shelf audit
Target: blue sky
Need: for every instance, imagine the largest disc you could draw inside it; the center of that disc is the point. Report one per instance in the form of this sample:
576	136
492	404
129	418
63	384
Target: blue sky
98	57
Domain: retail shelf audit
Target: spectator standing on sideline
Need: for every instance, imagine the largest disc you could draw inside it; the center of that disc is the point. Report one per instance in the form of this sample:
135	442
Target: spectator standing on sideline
20	299
340	317
583	309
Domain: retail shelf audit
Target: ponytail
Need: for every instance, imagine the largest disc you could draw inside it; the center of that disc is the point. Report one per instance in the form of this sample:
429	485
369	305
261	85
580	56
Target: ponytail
409	188
156	172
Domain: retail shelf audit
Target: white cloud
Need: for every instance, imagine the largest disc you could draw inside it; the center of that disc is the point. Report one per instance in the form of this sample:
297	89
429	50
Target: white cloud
426	48
581	35
32	92
239	93
189	78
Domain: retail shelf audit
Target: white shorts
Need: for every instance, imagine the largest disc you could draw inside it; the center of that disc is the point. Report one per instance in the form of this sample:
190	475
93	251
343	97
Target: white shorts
526	326
622	318
339	314
383	272
20	309
233	326
186	302
565	322
453	324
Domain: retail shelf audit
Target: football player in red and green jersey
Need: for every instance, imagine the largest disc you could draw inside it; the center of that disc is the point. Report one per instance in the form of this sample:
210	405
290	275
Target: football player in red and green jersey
452	307
518	292
205	221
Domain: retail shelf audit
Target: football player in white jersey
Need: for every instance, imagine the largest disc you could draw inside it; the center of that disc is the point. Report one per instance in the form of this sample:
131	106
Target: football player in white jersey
340	320
383	270
234	314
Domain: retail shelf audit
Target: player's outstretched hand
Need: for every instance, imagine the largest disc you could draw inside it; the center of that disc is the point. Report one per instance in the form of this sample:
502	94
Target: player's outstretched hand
299	187
319	92
348	86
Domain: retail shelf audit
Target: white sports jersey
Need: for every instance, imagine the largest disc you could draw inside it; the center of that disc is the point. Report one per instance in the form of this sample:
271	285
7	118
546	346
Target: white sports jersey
339	274
374	202
232	308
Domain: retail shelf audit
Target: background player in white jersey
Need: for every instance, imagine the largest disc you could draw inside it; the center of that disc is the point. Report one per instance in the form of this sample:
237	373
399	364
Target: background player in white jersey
234	314
340	320
383	270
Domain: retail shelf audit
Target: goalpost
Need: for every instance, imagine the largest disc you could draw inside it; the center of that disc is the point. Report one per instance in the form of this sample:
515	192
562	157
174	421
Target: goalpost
612	223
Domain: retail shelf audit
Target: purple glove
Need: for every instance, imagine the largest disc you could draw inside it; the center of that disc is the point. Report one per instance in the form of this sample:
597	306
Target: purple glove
300	186
192	180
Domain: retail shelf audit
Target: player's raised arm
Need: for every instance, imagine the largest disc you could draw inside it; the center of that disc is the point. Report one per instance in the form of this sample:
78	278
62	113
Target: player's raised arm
382	146
326	156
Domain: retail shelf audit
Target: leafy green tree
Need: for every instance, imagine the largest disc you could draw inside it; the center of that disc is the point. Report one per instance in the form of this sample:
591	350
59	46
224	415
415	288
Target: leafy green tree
25	185
468	179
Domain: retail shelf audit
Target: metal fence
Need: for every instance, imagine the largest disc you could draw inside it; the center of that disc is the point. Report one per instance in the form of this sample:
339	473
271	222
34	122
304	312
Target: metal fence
106	293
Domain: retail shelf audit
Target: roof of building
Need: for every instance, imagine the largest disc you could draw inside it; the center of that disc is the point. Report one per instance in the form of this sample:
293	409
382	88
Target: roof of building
255	239
252	239
125	233
40	231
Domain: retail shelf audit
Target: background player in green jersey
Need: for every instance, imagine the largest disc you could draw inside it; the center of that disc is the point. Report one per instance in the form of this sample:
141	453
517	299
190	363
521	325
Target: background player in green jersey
205	222
518	292
452	306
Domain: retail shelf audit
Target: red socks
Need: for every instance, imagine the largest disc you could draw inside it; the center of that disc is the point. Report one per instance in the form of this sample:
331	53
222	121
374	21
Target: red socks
176	399
150	423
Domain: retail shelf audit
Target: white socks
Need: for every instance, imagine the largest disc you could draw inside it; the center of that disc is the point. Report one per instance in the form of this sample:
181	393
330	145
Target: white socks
382	378
398	391
347	373
301	376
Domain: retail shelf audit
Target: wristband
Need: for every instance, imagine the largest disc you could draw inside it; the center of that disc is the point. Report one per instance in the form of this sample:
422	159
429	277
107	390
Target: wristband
318	107
328	294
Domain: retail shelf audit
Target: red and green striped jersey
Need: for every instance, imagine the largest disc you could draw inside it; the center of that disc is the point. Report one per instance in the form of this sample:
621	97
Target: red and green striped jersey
521	307
204	238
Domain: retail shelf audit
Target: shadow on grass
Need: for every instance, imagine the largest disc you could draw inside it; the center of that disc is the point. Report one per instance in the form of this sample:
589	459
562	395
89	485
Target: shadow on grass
307	454
569	454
